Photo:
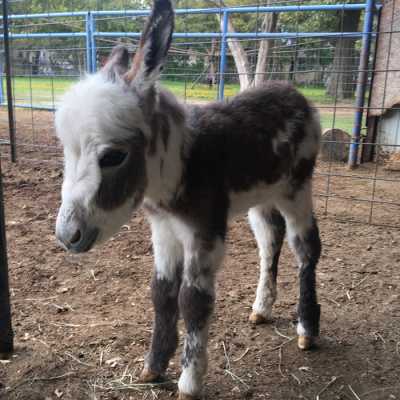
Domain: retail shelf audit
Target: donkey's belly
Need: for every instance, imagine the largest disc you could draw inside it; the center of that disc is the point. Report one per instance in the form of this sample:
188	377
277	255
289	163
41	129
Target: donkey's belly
242	201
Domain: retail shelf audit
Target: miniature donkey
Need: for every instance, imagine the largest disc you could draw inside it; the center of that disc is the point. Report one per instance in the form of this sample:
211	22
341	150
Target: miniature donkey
128	143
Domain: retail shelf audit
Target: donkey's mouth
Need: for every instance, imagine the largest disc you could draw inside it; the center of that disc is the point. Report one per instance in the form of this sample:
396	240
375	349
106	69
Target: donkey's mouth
87	242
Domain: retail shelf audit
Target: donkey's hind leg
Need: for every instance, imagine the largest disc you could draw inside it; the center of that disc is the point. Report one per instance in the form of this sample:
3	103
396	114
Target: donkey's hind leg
303	236
269	230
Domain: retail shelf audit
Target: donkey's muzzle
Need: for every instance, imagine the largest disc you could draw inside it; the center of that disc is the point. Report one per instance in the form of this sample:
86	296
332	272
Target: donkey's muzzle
73	232
79	241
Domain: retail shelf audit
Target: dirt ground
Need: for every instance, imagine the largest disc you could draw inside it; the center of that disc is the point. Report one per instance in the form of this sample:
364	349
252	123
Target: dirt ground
83	323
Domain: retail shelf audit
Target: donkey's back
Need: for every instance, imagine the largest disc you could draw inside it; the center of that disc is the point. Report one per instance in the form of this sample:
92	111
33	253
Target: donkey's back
264	139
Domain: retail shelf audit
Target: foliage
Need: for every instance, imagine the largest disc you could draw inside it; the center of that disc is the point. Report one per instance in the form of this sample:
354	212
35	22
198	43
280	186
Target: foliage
316	21
179	62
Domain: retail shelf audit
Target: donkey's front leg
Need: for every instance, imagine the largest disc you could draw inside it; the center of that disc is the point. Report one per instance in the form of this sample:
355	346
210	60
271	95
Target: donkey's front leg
168	253
196	302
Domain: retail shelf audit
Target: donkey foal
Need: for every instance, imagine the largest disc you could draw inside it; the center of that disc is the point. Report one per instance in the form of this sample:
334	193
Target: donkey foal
129	143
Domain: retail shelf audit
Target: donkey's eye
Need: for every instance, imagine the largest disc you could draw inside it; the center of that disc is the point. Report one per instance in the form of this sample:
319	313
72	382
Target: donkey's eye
112	158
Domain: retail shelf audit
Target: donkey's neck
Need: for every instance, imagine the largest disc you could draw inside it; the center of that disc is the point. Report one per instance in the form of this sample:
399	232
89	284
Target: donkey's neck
164	159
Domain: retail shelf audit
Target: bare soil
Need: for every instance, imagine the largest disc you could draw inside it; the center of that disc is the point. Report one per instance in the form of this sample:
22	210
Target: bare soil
83	323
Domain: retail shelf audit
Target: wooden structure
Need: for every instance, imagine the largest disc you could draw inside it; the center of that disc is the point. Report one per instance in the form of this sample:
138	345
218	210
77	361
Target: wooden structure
384	108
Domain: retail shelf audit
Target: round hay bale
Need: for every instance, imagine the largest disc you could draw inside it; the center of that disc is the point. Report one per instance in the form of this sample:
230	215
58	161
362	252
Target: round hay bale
392	163
335	145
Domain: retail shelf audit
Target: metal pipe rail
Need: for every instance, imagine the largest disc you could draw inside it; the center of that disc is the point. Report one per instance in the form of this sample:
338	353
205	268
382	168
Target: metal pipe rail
193	11
237	35
362	81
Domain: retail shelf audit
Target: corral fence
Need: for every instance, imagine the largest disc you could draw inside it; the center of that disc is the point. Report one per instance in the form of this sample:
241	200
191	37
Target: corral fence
30	62
348	65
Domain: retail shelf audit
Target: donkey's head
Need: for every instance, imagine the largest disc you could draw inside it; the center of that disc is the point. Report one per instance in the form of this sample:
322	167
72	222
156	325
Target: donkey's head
104	124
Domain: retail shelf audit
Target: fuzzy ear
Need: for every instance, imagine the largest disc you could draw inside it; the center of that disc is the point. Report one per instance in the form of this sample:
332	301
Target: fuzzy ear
154	45
117	63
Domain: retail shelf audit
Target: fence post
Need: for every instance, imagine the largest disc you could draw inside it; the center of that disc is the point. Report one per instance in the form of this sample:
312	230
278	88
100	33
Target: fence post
6	333
7	59
221	93
1	82
92	22
362	81
88	43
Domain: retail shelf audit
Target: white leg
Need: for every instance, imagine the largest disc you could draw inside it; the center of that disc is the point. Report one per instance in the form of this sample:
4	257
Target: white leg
168	253
269	230
196	302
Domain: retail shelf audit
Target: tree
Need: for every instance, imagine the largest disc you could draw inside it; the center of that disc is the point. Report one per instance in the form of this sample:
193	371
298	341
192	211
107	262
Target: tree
265	50
242	63
342	80
211	67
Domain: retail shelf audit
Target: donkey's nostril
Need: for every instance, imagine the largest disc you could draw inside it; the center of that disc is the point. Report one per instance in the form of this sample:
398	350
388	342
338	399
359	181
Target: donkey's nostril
76	238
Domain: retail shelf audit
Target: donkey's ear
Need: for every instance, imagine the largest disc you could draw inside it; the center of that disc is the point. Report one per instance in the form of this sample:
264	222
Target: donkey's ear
117	63
154	45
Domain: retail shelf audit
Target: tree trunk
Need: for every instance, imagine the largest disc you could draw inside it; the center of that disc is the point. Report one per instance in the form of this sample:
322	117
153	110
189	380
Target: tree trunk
211	76
239	55
342	82
265	51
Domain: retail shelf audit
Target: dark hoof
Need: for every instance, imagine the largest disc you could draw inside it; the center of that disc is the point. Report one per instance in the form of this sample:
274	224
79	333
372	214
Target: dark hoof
148	376
305	342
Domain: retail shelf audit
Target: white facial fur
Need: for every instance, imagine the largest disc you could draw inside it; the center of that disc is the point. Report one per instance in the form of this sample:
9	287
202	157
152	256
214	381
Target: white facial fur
94	113
100	111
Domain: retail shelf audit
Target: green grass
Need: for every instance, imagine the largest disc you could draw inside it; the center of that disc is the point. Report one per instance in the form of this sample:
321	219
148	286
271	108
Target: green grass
317	95
344	122
199	91
46	92
40	91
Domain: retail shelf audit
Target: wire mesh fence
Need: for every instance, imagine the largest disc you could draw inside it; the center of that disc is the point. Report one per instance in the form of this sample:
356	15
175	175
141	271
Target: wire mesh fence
341	55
